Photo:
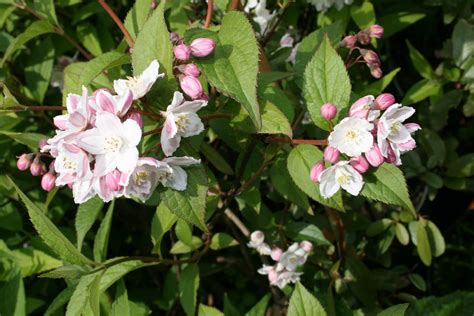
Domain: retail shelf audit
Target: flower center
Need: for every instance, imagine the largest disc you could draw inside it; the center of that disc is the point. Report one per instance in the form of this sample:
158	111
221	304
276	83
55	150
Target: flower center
182	122
343	179
395	128
113	143
69	163
141	177
132	82
351	134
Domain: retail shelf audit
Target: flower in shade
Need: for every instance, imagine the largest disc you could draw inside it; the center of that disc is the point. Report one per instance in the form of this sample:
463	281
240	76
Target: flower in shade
181	120
177	179
257	242
141	84
340	175
352	136
113	143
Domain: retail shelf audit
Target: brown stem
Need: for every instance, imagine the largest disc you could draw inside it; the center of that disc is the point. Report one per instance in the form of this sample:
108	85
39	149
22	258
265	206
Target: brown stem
234	5
215	116
210	9
43	108
117	21
297	141
240	225
153	131
74	43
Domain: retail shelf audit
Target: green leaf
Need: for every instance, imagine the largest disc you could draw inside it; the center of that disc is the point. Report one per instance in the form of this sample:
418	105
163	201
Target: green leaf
363	15
32	261
463	38
417	281
190	204
153	42
422	243
81	295
420	63
378	227
117	271
433	146
87	35
50	233
66	272
184	232
208	311
85	217
300	231
300	161
60	300
161	223
302	303
420	91
216	159
29	139
222	240
120	306
326	81
137	17
101	240
393	23
379	86
402	234
396	310
13	300
46	9
188	286
36	28
274	121
437	243
233	66
462	167
229	307
180	247
387	184
440	109
39	68
261	307
457	303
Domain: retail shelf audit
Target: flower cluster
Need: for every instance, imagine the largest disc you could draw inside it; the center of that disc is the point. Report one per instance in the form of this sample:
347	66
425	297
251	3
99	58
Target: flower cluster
367	139
188	74
262	15
368	56
284	270
95	149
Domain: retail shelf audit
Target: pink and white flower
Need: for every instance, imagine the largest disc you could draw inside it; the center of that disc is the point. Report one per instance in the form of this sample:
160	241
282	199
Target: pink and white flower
71	164
181	121
257	242
177	179
115	104
340	175
352	136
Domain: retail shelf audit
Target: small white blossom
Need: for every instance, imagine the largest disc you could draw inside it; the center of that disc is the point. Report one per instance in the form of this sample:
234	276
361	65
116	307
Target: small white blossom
262	15
352	136
293	257
177	179
141	84
340	175
323	5
256	242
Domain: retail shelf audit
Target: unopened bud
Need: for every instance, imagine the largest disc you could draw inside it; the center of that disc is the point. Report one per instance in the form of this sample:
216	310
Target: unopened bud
363	37
374	156
42	143
331	154
136	116
24	161
360	164
370	57
191	70
191	86
153	4
182	52
272	276
202	47
349	41
384	100
328	111
307	246
257	237
112	180
37	168
276	254
375	71
375	31
174	38
361	107
48	181
316	170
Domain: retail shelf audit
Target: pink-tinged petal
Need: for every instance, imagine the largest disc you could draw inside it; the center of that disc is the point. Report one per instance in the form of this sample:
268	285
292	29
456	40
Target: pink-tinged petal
409	145
147	161
382	129
401	136
124	178
383	146
194	126
106	163
169	138
190	106
83	191
355	183
177	100
120	86
106	102
92	141
65	178
412	127
170	126
72	148
124	102
107	123
128	160
182	161
72	102
77	120
179	180
132	132
61	121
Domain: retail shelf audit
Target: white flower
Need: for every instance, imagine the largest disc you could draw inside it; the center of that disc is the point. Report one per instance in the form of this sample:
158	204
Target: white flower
181	121
257	242
340	175
141	84
293	257
262	15
390	127
178	178
114	143
83	189
144	179
352	136
286	277
71	164
115	104
323	5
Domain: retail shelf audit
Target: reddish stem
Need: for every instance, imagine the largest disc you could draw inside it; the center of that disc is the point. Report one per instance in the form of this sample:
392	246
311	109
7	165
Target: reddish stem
210	9
153	131
117	21
297	141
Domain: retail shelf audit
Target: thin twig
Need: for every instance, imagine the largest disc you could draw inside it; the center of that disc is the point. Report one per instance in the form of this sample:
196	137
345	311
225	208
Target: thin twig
240	225
210	9
153	131
117	21
296	141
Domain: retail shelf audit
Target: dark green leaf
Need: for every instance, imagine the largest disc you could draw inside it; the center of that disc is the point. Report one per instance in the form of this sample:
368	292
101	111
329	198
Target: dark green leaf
188	286
85	217
101	240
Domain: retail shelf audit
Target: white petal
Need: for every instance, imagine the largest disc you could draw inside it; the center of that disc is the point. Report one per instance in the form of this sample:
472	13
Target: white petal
355	183
128	160
169	144
131	132
92	141
181	161
328	185
106	163
177	100
190	106
194	126
178	180
120	86
108	124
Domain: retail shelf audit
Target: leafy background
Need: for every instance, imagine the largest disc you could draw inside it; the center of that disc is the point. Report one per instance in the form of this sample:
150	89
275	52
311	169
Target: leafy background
393	249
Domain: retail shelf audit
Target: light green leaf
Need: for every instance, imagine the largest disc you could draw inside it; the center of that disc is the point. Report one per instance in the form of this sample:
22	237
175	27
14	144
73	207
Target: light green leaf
378	227
379	86
32	261
101	240
274	121
117	271
208	311
300	231
29	139
184	232
216	159
387	184
50	233
137	17
12	293
85	217
420	91
422	243
222	240
417	281
188	286
462	167
66	272
180	247
36	28
326	81
161	223
153	42
81	295
437	243
120	306
396	310
402	234
463	43
259	308
302	303
46	9
39	68
233	66
299	163
363	15
190	204
87	35
420	63
60	300
393	23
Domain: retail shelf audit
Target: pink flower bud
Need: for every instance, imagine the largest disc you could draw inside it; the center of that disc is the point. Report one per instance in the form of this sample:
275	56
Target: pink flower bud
174	38
307	246
37	168
276	254
42	143
112	180
202	47
272	276
360	164
51	166
374	156
24	161
328	111
316	171
391	156
60	121
361	107
376	31
136	116
130	50
191	70
287	40
349	41
375	71
153	4
363	37
182	52
257	237
370	57
48	181
203	96
191	86
384	100
331	154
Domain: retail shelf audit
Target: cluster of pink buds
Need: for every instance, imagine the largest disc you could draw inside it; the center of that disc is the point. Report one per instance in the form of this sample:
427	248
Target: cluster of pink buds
284	270
369	56
366	137
189	73
37	168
